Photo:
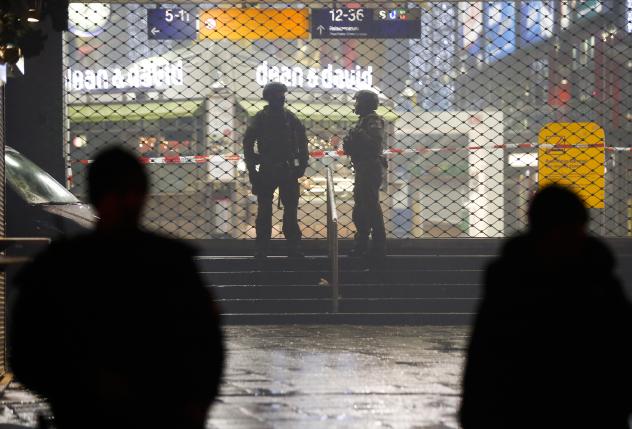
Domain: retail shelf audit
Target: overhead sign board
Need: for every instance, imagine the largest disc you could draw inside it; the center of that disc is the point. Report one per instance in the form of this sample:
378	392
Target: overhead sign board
363	23
254	24
170	24
573	154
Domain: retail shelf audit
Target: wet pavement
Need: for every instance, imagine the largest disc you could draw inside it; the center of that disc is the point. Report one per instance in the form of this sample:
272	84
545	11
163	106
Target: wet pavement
324	377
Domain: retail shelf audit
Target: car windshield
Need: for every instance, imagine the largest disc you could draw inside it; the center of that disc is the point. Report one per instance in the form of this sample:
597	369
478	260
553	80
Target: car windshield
32	183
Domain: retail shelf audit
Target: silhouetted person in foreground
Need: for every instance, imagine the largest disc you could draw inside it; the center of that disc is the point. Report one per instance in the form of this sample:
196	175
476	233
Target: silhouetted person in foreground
551	343
115	328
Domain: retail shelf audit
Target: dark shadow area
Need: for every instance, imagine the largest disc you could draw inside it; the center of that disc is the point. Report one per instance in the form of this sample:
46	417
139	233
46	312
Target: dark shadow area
114	327
551	343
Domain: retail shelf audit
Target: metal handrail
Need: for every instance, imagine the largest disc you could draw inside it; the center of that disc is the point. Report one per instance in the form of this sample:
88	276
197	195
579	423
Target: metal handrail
332	238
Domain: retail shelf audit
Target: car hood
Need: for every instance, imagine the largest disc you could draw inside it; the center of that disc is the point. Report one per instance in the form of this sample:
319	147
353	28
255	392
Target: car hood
80	213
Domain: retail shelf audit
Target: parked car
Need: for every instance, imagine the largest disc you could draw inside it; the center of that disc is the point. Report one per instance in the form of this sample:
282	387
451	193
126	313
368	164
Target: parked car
37	204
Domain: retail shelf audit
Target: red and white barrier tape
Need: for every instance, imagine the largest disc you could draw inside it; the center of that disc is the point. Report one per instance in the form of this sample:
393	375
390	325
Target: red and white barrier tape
317	154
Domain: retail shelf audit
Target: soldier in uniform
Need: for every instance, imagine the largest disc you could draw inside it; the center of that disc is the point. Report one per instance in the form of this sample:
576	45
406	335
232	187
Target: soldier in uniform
280	160
365	145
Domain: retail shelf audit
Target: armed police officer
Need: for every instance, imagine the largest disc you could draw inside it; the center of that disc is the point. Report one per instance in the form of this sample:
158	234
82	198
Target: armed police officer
280	160
365	145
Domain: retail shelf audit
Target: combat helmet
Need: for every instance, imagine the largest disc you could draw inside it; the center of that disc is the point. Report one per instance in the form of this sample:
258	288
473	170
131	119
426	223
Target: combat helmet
271	88
367	98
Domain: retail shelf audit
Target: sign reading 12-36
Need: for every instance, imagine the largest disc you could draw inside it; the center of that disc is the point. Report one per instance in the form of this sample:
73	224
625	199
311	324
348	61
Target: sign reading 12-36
171	24
363	23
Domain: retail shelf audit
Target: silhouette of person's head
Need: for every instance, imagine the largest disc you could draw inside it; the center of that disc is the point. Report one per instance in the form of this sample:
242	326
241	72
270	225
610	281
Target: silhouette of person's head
117	188
274	94
557	209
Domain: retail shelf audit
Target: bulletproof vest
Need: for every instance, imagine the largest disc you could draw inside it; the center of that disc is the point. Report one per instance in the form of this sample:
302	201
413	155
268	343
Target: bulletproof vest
372	125
276	139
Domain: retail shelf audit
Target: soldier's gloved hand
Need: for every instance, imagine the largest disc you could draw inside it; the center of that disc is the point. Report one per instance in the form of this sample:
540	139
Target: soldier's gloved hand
253	176
347	144
300	171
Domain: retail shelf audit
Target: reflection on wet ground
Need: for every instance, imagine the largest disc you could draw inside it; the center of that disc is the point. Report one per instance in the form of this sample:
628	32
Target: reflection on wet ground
325	377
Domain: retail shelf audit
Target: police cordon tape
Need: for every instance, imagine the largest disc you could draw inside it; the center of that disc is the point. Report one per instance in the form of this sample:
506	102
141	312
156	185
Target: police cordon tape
317	154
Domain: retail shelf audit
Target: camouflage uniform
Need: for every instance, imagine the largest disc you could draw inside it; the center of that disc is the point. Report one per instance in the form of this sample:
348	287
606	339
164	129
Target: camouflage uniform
365	145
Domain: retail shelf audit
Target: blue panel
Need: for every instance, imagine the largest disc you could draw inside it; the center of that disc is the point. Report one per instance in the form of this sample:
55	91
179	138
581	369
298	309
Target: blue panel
171	24
500	29
536	21
342	23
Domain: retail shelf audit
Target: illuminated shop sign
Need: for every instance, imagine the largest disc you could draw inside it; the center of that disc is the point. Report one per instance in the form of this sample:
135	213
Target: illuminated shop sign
308	78
148	75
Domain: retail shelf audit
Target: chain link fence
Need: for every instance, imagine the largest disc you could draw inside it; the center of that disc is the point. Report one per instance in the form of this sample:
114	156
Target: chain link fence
483	101
3	275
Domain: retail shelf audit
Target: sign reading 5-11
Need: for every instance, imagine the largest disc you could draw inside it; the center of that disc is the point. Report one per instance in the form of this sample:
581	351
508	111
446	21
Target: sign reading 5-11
171	24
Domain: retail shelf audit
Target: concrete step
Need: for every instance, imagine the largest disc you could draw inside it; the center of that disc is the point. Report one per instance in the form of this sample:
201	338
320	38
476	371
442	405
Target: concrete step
349	305
322	263
352	277
263	277
270	291
427	246
427	288
412	276
460	319
417	290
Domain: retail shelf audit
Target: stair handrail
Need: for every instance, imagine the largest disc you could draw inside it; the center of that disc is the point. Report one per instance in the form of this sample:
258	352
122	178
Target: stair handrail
332	238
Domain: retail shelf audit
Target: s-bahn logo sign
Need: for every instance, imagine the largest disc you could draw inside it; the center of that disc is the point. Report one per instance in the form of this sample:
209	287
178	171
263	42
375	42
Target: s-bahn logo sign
329	77
146	75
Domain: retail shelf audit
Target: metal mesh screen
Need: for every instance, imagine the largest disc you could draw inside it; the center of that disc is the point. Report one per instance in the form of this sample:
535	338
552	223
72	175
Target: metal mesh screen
3	292
483	101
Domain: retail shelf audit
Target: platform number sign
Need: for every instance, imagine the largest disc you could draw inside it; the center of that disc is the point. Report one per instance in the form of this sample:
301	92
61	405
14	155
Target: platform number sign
171	24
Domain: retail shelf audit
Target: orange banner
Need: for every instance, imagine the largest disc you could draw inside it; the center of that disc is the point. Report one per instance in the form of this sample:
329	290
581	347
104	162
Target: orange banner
253	24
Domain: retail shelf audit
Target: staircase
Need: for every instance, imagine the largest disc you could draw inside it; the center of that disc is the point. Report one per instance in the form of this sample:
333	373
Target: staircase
416	289
434	281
